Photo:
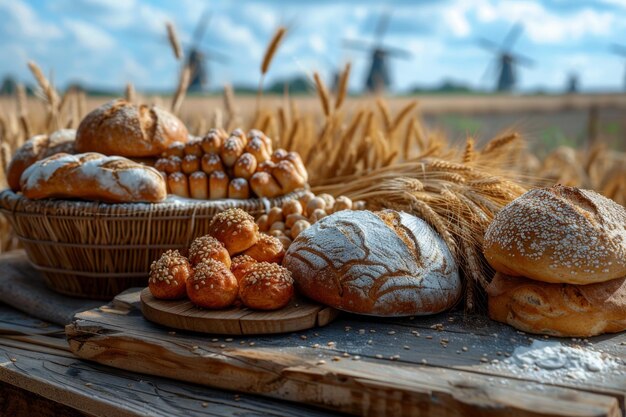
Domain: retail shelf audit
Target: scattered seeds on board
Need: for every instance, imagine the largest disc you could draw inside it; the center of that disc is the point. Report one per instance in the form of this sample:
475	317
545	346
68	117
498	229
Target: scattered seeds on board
336	358
345	354
172	333
215	340
222	346
405	347
315	346
88	384
205	405
464	349
369	342
228	340
356	358
13	359
391	332
321	362
251	344
303	337
378	356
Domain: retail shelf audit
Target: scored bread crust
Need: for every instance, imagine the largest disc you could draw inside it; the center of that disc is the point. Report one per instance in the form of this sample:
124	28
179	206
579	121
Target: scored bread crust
36	148
560	235
564	310
124	129
92	176
390	265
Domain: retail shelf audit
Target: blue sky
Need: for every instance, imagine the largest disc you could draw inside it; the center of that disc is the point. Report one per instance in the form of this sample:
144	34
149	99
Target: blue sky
108	43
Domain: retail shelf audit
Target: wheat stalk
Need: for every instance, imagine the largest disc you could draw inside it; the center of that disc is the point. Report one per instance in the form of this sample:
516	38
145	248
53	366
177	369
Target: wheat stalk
129	93
272	47
181	90
172	36
342	87
322	92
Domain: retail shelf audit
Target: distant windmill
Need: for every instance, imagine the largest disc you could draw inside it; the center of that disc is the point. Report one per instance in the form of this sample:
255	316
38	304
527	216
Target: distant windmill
621	51
378	77
197	57
505	60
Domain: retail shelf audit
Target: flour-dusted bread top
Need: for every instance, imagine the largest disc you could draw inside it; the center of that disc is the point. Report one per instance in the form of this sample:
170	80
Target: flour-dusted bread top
561	235
390	264
36	148
565	310
93	176
122	128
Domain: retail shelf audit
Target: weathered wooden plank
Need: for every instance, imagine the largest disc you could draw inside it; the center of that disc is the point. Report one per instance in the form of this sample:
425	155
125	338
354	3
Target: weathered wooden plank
16	402
291	368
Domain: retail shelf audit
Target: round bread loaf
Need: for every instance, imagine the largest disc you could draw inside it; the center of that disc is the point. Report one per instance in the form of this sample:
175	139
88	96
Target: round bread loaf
381	264
124	129
564	310
560	235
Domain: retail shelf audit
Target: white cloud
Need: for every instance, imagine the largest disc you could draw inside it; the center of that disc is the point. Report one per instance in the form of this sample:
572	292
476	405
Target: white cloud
456	21
317	43
21	20
88	35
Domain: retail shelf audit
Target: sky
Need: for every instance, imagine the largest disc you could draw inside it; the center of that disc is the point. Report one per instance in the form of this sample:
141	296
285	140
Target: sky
107	43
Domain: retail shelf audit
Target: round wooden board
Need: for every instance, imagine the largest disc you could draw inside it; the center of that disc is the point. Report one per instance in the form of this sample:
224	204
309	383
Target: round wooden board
300	314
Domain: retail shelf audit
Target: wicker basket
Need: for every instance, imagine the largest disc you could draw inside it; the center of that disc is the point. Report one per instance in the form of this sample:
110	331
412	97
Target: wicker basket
97	250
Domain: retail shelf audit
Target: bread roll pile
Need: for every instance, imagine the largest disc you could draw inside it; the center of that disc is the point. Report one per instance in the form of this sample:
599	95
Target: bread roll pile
237	166
295	216
234	262
385	263
560	257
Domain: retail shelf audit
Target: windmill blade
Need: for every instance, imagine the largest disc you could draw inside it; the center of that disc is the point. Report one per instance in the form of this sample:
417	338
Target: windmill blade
512	36
358	45
203	23
522	60
394	52
488	45
216	56
383	24
618	49
489	72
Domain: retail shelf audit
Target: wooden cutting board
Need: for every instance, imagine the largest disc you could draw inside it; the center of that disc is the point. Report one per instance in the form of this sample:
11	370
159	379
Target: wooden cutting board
300	314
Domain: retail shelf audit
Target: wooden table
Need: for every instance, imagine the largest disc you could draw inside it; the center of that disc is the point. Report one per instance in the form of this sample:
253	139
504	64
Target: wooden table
441	365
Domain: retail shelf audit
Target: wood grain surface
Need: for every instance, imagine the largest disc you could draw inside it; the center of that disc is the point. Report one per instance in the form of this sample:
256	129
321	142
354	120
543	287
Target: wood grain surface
441	365
300	314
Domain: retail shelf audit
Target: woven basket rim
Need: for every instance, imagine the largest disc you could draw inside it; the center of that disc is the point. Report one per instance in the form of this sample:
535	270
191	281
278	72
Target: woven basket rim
12	203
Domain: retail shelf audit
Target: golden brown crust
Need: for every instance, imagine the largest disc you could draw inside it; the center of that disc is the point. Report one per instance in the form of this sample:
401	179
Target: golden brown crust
199	185
169	275
240	265
564	310
190	164
267	249
207	247
92	176
231	150
245	166
266	286
264	185
236	229
258	148
37	148
211	162
178	184
212	142
218	185
212	285
121	128
238	188
560	235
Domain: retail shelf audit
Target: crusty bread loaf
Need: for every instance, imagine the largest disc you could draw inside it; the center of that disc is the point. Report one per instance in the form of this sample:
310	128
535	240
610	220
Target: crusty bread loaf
381	264
92	176
121	128
561	235
37	148
558	309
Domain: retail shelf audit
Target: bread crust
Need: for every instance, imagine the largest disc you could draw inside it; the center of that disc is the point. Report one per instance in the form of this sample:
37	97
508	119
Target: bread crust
124	129
92	176
559	235
236	229
266	249
266	286
169	275
212	285
564	310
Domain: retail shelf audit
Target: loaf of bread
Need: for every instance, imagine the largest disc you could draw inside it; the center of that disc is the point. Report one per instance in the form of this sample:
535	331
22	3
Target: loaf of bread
560	235
382	264
564	310
124	129
37	148
92	176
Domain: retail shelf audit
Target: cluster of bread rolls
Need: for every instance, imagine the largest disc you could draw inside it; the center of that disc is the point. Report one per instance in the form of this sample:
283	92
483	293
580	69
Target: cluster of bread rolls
295	216
233	262
238	166
560	260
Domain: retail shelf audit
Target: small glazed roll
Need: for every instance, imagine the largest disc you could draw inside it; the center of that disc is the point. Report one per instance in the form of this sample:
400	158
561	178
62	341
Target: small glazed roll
190	164
162	164
254	133
266	286
263	223
240	265
264	185
276	233
239	189
278	226
291	207
279	155
267	249
288	177
295	159
211	162
267	166
174	164
292	219
236	229
199	185
239	133
218	185
169	275
178	184
315	203
212	285
285	240
231	150
317	215
207	247
342	203
194	147
259	149
329	200
245	166
299	227
175	149
304	200
212	142
275	215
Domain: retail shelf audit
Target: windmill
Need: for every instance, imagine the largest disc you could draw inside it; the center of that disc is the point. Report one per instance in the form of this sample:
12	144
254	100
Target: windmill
506	60
197	57
621	51
378	77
